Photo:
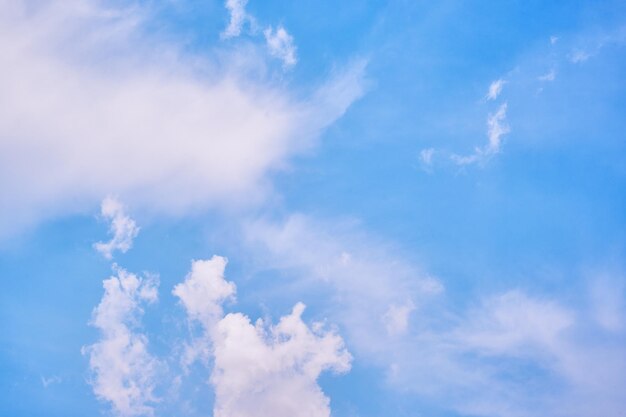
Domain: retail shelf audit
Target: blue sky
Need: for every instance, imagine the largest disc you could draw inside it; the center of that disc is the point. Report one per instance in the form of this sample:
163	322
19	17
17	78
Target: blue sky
441	184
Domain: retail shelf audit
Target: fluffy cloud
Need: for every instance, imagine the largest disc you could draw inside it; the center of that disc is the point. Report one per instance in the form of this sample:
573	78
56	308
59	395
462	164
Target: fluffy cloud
123	228
202	294
204	290
123	371
280	44
93	105
272	372
258	370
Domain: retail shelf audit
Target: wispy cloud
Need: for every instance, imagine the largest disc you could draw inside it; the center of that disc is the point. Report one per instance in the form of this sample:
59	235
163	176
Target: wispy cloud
397	318
579	56
46	382
496	129
280	44
122	227
495	88
426	159
359	269
149	123
548	76
465	357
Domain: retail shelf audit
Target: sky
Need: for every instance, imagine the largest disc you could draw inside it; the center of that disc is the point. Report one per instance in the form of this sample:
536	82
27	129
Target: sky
309	209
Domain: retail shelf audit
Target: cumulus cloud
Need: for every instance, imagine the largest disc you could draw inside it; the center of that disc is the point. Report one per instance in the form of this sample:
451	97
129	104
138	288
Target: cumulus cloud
272	371
280	44
202	294
93	105
122	227
123	371
495	88
238	17
259	370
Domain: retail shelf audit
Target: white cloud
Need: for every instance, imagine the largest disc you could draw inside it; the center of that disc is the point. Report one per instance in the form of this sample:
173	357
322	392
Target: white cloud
465	357
92	105
280	44
365	276
470	360
495	88
123	371
123	228
259	370
513	321
607	302
204	290
579	56
272	371
46	382
202	294
426	158
549	76
397	318
554	39
238	17
496	128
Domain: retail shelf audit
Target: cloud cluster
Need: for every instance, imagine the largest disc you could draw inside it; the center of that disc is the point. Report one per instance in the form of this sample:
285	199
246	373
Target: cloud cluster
259	370
202	293
93	105
279	42
272	372
123	371
507	354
